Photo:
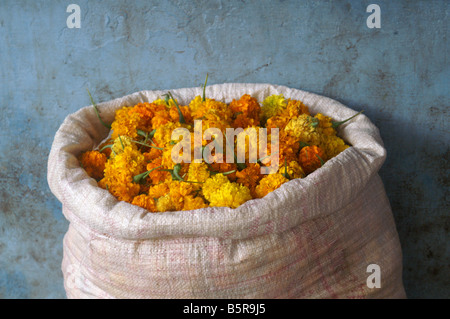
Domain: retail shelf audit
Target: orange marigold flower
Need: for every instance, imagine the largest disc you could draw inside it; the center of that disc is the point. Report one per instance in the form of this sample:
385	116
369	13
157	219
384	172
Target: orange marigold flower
248	106
158	190
311	158
157	176
250	176
175	116
269	183
277	122
93	163
146	202
191	202
225	168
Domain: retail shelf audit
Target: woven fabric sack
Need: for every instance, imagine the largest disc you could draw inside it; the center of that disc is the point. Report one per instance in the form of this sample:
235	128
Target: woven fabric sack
329	235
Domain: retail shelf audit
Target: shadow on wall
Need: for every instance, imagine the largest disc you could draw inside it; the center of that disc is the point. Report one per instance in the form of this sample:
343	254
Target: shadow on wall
416	178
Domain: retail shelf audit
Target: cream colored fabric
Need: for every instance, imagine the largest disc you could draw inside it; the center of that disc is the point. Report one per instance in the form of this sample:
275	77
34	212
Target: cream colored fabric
311	238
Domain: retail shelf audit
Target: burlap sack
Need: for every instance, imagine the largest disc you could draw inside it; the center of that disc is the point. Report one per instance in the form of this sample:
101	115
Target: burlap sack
316	237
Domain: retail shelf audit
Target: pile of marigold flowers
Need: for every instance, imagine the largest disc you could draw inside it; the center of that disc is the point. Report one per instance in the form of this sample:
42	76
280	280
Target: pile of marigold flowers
135	164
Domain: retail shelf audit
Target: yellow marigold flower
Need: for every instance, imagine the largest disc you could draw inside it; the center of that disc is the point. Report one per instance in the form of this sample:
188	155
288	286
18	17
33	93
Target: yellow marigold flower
220	192
120	143
93	163
164	204
119	173
146	202
213	183
205	109
326	124
304	128
125	122
294	108
163	134
198	172
293	169
333	145
273	105
191	203
195	104
129	119
269	183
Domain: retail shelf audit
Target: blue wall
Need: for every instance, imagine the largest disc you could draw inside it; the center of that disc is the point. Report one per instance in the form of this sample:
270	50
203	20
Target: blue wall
399	74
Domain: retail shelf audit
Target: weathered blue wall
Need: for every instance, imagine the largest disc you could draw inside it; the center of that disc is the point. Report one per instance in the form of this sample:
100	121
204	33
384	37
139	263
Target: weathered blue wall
399	74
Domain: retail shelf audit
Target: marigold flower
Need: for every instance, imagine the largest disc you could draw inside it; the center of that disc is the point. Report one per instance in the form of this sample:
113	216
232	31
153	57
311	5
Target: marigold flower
269	183
304	128
129	119
136	163
93	163
249	177
191	203
119	173
157	176
326	124
158	190
247	106
220	192
294	108
165	204
333	145
311	158
273	105
198	172
120	143
146	202
293	169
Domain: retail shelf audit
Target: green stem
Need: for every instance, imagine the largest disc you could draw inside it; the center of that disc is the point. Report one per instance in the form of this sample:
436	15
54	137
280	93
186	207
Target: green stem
336	124
97	111
138	178
204	88
302	144
286	175
105	147
137	142
321	160
224	173
121	143
182	120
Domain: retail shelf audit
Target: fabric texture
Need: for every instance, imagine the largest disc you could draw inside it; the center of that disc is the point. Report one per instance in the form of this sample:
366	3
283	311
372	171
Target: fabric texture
313	237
